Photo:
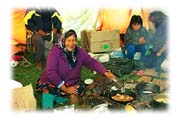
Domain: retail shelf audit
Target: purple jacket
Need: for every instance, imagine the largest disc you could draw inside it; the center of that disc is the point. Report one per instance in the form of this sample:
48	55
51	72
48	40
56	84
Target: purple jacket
57	68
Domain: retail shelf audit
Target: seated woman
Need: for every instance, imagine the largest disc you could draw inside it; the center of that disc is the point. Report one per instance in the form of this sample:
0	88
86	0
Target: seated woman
158	38
62	74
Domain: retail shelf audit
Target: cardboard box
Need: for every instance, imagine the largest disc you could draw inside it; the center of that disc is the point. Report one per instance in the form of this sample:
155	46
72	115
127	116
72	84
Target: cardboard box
100	41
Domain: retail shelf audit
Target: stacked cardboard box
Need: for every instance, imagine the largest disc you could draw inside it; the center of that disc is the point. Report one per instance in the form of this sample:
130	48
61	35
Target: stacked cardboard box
100	41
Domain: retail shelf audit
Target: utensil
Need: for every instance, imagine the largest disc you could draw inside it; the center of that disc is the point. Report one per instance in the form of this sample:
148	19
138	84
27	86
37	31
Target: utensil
147	92
121	86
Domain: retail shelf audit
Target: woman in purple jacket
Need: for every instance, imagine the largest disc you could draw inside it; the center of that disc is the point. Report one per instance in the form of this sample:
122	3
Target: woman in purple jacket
63	70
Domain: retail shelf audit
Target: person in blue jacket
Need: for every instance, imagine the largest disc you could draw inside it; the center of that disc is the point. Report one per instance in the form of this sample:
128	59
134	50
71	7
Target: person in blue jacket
46	24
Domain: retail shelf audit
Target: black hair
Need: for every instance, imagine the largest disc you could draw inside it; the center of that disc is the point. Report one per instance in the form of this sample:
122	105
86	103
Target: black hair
69	33
135	19
157	17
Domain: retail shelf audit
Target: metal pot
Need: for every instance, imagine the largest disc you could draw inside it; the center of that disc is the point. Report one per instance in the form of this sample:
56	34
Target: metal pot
158	105
160	101
146	90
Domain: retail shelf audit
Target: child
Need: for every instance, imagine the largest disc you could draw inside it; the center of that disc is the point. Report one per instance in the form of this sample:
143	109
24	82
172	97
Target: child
135	37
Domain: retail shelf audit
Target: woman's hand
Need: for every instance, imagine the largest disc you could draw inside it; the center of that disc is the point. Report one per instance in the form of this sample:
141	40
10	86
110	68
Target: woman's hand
70	90
110	75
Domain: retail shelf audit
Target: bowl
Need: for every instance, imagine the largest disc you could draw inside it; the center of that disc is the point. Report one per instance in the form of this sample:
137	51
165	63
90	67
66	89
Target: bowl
88	81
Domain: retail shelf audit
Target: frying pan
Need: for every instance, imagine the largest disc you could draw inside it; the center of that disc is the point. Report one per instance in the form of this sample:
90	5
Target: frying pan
126	92
156	104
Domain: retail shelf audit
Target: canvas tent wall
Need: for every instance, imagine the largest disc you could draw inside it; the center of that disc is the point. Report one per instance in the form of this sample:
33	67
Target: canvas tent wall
114	18
80	19
18	32
107	18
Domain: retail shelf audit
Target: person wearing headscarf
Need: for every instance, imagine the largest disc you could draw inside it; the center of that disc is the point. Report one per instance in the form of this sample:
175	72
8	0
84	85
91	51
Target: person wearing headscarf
63	70
158	38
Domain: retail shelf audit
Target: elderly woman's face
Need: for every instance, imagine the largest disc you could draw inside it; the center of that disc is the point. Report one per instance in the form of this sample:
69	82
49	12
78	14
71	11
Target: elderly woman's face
70	43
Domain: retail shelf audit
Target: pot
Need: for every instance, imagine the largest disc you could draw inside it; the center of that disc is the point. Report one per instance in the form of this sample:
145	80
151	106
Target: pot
146	90
160	101
162	98
158	105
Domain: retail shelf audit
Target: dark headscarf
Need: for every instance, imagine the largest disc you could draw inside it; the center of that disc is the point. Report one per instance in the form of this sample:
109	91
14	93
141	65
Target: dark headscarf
157	17
71	56
159	39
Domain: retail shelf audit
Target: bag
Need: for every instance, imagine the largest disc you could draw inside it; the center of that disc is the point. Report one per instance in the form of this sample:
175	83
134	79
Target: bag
119	66
23	98
122	66
138	65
